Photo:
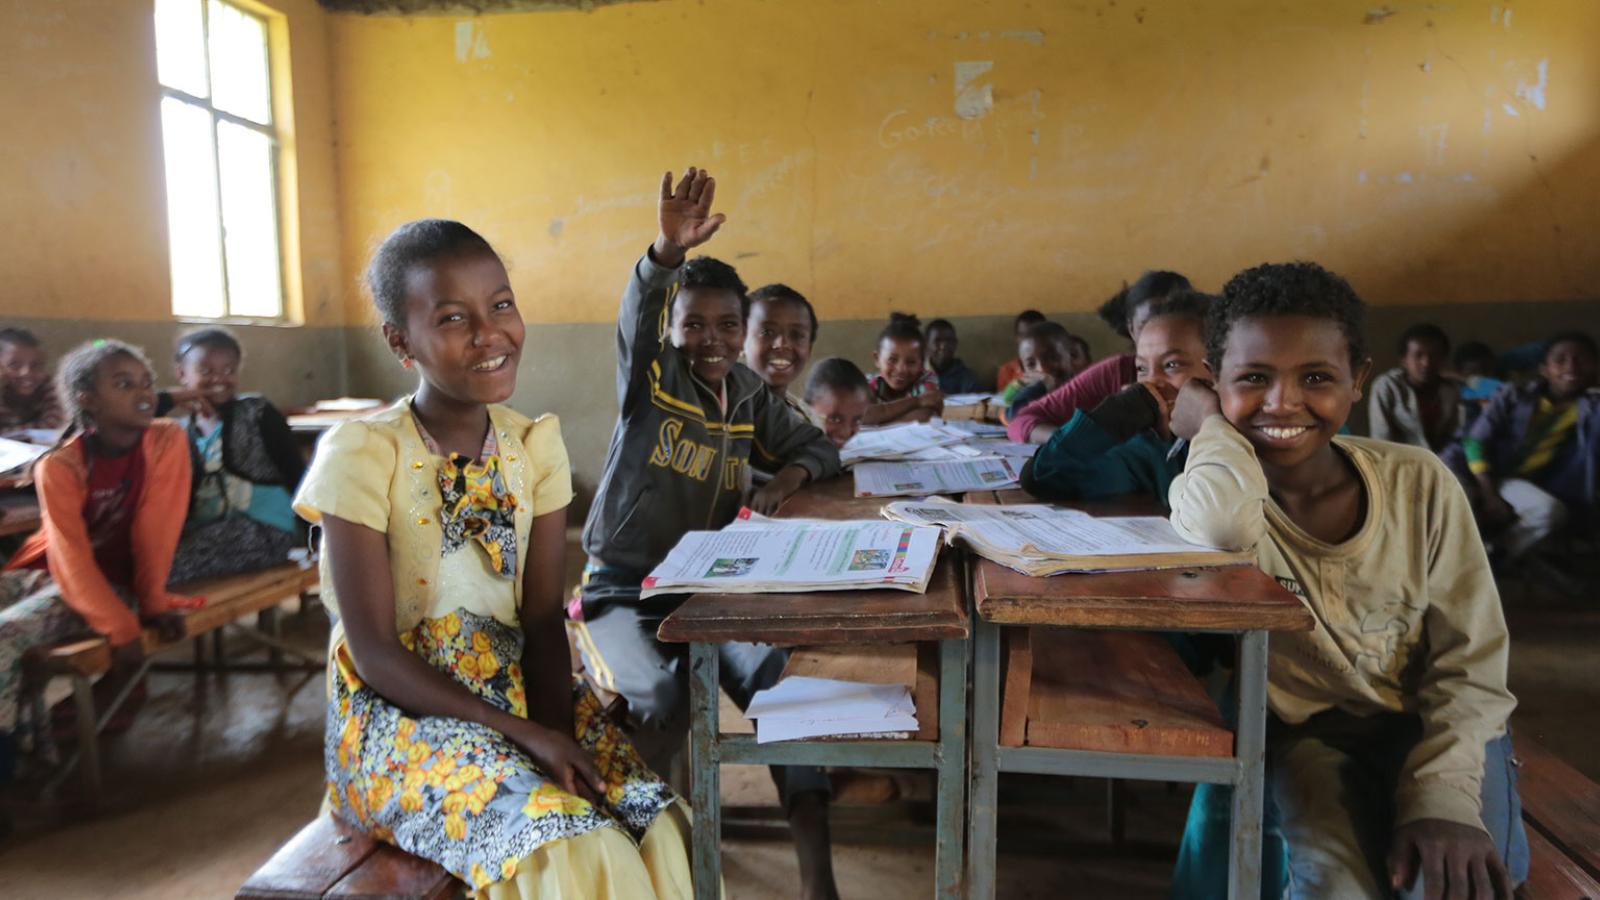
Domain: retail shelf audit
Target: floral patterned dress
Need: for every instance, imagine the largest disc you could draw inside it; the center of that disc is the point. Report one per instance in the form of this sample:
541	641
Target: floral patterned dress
456	792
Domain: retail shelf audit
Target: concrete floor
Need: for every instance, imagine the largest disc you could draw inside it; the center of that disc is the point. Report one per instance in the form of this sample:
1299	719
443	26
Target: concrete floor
218	770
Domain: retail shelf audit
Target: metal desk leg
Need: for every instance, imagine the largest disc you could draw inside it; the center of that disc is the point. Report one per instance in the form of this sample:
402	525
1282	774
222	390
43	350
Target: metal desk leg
952	773
1244	875
705	759
981	811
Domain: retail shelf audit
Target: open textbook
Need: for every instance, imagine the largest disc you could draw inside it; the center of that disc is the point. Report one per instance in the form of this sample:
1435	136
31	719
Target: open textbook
802	707
895	441
17	455
1037	539
765	556
920	478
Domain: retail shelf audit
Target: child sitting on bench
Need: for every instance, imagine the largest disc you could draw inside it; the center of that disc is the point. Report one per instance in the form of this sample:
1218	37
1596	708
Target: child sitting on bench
112	496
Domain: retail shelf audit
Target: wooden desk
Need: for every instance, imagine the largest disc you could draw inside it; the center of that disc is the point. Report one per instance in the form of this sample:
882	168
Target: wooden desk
833	617
1241	600
19	512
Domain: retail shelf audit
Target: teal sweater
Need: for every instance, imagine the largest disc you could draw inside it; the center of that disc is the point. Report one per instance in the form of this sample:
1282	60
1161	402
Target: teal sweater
1084	461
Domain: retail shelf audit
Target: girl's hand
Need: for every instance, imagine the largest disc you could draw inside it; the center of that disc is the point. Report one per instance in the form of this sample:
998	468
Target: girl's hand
560	758
685	216
1196	402
1165	396
932	398
168	626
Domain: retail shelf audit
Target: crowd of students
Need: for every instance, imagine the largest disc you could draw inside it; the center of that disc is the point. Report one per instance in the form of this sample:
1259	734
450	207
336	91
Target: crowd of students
455	728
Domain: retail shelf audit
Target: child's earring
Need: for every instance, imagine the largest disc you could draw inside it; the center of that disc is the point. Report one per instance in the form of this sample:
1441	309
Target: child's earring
405	361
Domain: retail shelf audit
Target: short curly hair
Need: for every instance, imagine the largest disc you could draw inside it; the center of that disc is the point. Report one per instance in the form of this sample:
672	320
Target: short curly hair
710	273
1287	289
414	245
782	293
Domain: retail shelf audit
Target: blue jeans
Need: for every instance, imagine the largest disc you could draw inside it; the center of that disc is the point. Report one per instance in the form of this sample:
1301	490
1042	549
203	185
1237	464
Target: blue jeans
1328	815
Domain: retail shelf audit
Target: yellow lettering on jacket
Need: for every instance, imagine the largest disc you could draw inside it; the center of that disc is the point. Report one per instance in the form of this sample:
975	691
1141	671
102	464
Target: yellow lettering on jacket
686	457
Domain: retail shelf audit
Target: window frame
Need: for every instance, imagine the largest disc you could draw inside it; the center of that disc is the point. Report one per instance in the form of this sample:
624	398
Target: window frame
270	132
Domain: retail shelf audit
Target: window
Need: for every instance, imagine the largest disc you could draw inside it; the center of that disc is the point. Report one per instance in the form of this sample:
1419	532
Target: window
221	160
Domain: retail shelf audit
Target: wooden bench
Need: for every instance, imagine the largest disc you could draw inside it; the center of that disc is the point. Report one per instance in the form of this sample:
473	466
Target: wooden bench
1561	809
228	599
330	859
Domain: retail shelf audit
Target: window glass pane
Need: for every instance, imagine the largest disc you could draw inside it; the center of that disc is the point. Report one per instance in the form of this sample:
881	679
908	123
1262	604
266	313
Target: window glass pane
192	210
249	221
239	62
181	46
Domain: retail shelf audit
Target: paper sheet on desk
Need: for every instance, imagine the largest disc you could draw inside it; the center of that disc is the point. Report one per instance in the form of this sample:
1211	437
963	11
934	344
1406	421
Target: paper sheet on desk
15	455
801	707
912	479
757	556
895	441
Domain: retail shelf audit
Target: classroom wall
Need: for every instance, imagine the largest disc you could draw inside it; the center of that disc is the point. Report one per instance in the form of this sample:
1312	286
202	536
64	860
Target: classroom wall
972	159
83	243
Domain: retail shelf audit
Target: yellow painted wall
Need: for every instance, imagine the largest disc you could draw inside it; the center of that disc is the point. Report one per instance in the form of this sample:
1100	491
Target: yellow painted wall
1448	154
81	180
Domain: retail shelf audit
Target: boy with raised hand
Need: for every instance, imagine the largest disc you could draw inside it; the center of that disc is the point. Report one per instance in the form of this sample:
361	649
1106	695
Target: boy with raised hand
690	419
1388	760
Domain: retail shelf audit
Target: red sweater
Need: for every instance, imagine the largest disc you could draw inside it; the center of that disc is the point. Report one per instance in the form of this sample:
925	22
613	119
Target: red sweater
1084	391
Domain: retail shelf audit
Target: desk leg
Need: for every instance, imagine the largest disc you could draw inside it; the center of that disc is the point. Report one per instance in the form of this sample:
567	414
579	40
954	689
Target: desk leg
1244	876
985	760
705	761
952	789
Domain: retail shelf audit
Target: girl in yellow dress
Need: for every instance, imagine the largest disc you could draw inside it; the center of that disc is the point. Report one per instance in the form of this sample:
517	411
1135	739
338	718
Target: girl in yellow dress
455	728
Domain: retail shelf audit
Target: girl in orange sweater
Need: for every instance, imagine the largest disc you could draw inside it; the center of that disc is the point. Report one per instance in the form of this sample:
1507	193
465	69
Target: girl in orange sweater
113	496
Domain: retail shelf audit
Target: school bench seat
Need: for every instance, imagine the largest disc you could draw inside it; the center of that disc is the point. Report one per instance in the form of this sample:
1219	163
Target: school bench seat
227	599
1561	809
330	859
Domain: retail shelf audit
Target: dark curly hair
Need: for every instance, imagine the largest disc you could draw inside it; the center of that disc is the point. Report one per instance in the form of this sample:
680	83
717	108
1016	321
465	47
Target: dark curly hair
782	293
902	327
1118	310
215	338
835	374
1287	289
1422	331
18	337
710	273
1054	332
1183	302
1581	338
412	245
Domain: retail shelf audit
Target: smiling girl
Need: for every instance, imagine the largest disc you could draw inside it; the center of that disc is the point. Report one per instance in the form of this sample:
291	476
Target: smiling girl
904	389
113	496
455	729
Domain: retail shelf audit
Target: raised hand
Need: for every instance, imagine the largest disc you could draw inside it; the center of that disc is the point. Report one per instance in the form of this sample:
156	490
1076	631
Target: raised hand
685	215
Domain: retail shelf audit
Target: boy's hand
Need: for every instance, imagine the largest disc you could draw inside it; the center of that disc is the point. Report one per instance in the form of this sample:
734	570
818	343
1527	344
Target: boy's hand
932	398
1497	513
1454	860
771	495
1196	402
685	216
168	626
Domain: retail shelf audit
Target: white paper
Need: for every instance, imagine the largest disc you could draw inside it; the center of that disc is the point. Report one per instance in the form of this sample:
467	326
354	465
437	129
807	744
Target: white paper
784	556
1028	536
965	399
43	436
894	441
915	479
976	428
802	707
16	454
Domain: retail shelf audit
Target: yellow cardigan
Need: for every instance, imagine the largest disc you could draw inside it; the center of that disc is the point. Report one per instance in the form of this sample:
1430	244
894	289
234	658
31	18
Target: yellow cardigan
375	471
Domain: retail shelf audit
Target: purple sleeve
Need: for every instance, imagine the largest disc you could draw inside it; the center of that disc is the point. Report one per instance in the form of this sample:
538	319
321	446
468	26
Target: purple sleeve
1084	391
